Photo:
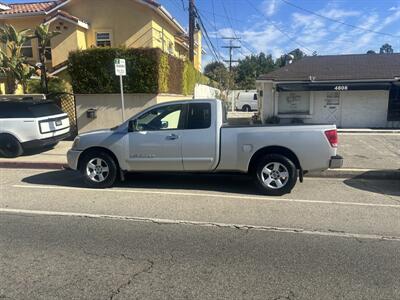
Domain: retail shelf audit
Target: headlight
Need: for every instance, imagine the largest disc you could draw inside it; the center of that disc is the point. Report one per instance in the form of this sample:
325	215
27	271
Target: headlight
76	142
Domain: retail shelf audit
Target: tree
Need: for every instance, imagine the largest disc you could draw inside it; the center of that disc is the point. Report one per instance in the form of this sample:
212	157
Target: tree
296	53
249	68
44	36
217	72
386	49
371	52
13	64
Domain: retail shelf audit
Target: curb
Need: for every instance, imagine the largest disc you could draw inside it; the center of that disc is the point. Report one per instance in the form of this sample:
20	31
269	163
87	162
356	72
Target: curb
32	165
357	174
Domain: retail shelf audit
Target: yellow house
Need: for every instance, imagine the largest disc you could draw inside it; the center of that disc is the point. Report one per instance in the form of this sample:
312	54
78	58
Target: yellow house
100	23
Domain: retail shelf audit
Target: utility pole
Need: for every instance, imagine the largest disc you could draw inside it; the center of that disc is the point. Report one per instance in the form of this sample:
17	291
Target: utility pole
192	21
230	61
231	47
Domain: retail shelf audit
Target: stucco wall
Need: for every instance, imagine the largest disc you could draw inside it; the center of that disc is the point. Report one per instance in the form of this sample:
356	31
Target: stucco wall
63	43
357	109
109	108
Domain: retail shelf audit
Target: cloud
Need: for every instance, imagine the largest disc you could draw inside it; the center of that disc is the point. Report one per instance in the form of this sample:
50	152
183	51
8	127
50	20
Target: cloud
310	32
269	7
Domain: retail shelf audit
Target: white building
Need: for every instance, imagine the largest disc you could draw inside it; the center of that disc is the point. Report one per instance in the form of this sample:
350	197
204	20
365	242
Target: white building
352	91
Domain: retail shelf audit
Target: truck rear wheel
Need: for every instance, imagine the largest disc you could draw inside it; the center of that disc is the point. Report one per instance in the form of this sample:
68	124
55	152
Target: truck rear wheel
99	170
276	175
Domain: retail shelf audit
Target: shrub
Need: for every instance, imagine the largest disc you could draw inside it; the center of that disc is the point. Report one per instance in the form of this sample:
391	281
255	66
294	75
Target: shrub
56	85
148	71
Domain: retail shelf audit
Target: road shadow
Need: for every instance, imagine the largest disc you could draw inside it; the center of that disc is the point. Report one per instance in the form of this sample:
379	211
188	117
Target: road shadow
228	183
373	181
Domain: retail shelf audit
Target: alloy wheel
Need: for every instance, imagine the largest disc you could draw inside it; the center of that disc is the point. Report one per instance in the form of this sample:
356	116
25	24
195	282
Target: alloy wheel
97	169
275	175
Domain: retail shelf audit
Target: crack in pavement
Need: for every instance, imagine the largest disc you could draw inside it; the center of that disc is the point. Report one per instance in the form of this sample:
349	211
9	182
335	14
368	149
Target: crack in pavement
329	232
124	285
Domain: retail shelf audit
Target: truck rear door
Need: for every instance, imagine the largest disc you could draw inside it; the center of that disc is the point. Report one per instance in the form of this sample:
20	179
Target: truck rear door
199	138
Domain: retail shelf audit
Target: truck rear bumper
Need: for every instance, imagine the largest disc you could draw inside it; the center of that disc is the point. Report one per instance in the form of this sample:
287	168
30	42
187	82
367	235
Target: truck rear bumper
336	162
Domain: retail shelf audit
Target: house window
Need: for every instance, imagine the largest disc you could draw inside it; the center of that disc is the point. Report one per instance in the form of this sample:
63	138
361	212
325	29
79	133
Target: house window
294	103
47	51
27	50
103	39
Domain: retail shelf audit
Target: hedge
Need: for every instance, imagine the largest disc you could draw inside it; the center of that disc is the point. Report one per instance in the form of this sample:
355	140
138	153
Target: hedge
148	71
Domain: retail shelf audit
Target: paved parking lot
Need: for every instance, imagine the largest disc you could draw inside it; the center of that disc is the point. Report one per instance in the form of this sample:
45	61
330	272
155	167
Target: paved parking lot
370	151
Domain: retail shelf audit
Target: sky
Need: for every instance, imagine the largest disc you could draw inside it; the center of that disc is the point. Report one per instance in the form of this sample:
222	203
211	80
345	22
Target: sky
278	26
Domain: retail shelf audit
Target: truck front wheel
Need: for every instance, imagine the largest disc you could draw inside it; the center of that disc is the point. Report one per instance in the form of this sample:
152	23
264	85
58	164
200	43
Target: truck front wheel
276	175
99	170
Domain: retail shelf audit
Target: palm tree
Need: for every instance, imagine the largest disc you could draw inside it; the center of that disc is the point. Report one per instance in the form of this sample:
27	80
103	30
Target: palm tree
44	36
13	63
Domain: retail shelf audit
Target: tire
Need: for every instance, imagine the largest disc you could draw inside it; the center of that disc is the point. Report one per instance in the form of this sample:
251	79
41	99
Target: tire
10	147
274	182
246	108
99	170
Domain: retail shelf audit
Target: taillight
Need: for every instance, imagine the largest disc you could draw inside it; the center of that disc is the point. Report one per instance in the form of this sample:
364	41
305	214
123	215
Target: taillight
332	137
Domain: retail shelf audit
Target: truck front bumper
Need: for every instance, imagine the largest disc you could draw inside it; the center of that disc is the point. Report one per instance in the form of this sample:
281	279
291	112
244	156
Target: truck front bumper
73	158
336	162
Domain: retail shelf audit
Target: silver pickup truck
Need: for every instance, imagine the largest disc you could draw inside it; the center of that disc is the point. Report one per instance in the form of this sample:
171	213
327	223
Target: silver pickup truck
194	136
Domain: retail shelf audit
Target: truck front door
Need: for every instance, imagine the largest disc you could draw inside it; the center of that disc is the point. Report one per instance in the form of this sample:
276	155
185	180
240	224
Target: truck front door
155	140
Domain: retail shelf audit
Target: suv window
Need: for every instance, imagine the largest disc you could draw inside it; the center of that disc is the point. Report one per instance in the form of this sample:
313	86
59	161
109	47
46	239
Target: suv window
21	109
45	109
160	118
199	116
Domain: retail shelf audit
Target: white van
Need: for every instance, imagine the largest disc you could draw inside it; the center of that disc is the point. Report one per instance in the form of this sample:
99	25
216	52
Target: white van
28	124
246	101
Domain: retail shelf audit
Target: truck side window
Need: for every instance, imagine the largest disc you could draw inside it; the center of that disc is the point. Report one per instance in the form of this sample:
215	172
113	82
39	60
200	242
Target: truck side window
160	118
199	116
255	97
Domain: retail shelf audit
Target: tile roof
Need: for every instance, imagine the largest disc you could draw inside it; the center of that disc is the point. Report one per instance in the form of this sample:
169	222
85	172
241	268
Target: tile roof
339	67
30	8
64	14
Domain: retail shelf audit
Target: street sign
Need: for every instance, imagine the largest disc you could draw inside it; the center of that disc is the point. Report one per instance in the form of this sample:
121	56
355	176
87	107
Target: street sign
120	70
120	67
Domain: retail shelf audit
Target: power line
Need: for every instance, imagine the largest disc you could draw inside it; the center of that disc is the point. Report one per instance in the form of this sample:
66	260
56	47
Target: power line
207	37
233	29
231	47
279	29
338	21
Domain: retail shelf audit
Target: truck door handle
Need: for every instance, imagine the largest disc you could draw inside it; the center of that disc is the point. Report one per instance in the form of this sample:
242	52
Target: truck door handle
172	137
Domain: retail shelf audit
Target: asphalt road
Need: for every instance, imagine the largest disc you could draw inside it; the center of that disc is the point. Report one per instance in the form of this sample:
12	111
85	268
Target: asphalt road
196	237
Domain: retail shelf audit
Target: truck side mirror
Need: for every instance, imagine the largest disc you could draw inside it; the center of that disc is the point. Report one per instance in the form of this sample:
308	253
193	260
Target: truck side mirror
132	126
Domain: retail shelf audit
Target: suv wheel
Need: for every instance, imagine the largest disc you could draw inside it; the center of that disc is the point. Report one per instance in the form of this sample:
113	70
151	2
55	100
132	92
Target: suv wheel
276	175
99	170
9	146
246	108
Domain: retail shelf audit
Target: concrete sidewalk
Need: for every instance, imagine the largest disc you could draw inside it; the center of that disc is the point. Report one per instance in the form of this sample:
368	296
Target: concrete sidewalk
370	155
54	158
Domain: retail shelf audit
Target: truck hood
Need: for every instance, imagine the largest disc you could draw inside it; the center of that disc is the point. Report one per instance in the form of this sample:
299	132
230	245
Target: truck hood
98	138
